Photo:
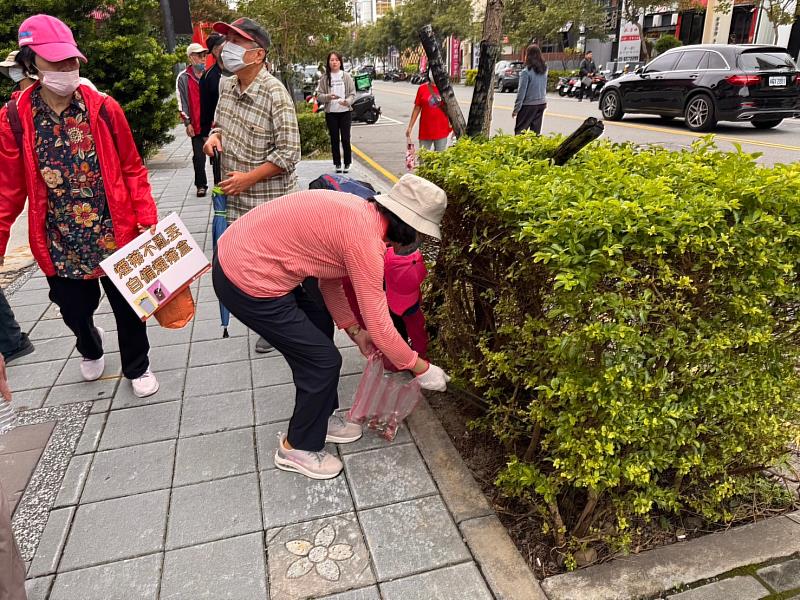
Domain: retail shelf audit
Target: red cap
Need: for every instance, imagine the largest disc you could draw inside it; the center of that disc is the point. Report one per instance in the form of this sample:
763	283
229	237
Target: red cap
49	38
404	275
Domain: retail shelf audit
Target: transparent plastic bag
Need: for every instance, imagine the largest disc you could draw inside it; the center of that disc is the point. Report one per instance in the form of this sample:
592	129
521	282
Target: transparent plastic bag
8	418
382	401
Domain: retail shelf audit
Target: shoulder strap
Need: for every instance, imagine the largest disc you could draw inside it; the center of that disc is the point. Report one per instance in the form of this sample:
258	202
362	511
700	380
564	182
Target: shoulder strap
14	122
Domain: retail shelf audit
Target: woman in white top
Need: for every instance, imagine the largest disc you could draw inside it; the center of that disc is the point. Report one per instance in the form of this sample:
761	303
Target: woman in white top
337	91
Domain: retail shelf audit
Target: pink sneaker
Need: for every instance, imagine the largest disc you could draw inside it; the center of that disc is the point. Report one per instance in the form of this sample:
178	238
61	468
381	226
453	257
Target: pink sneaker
316	465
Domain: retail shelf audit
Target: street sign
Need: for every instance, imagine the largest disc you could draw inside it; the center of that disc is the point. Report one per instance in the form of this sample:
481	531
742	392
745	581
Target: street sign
630	43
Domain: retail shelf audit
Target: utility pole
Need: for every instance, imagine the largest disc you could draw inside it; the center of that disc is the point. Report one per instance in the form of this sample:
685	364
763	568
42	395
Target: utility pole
169	25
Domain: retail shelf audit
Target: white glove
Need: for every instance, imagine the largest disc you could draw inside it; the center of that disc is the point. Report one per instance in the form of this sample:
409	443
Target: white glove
433	379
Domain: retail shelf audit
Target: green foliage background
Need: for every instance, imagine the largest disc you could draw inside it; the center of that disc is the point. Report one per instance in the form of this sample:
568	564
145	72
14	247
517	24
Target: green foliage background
126	57
313	131
631	317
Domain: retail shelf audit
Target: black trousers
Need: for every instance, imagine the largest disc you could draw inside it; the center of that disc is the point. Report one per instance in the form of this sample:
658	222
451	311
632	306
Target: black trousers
9	328
586	90
339	127
530	117
199	162
299	328
79	298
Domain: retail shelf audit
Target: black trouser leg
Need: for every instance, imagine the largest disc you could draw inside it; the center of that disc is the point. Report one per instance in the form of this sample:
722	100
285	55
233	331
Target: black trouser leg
131	333
78	299
313	357
530	117
9	328
320	316
346	120
332	121
199	162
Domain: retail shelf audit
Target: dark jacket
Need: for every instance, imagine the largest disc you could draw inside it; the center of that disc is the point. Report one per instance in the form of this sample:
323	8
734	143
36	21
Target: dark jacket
586	67
209	96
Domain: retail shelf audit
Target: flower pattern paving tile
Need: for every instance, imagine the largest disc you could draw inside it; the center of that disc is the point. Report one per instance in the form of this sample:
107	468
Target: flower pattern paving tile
317	558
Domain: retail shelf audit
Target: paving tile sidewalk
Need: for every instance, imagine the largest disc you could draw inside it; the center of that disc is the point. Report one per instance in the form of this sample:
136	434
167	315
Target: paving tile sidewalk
176	496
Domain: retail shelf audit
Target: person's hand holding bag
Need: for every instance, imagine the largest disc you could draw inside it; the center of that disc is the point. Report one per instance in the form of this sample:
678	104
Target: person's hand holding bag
433	378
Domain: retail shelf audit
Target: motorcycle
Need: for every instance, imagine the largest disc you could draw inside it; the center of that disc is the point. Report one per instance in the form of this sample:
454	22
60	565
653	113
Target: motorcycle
574	84
417	79
562	87
394	75
598	82
364	108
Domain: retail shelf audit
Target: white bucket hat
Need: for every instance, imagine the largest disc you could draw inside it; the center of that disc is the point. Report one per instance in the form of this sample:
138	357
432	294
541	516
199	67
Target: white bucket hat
417	202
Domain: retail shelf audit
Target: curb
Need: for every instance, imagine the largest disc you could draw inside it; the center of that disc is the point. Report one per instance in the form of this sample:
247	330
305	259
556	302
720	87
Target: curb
662	570
501	564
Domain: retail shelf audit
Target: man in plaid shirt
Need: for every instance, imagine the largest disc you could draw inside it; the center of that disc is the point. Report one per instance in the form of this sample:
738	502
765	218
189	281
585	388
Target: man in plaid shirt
256	130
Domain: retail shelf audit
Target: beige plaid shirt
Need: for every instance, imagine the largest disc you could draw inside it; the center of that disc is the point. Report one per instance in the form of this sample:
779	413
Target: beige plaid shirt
257	126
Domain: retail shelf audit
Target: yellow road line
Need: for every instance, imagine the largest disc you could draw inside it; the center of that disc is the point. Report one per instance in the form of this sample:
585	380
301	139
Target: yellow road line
691	134
374	165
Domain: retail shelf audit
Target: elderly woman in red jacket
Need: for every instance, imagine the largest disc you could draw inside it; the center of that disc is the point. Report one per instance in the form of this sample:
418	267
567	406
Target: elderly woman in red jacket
69	150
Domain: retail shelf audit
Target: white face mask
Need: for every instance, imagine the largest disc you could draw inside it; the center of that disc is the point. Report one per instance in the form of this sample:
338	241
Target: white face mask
16	74
61	83
233	57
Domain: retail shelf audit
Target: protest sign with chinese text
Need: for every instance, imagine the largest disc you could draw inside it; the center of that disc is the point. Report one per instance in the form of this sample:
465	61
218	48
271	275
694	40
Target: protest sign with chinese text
154	267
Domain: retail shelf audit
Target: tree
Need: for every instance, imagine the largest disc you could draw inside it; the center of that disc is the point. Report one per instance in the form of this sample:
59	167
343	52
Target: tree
210	11
122	41
779	12
542	21
301	30
665	42
447	17
634	8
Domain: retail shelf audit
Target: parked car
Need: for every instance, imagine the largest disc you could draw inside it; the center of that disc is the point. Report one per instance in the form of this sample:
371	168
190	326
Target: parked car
508	78
311	75
705	84
368	69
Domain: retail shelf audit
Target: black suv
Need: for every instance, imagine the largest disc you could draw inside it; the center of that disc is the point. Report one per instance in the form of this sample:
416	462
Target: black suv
710	83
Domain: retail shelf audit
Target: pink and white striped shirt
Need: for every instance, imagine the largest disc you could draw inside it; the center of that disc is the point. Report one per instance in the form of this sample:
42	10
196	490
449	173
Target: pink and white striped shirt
329	235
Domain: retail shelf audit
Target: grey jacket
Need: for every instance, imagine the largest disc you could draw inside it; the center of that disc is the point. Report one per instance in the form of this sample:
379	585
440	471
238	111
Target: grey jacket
324	91
532	89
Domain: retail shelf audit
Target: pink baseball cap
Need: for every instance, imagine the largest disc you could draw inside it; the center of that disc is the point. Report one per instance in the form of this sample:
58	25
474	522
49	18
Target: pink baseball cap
404	275
49	38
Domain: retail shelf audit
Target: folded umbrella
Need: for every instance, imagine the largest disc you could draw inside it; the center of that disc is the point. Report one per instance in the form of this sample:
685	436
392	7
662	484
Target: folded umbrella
218	227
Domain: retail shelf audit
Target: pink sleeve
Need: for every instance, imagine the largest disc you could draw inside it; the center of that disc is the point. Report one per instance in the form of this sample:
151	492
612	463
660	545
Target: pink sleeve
336	301
365	267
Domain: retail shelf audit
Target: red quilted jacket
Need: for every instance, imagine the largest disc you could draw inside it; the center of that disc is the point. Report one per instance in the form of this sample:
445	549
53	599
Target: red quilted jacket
130	200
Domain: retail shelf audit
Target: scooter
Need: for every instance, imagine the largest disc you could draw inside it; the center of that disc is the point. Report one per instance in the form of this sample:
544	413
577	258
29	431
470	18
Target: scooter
364	108
562	87
417	79
574	84
598	82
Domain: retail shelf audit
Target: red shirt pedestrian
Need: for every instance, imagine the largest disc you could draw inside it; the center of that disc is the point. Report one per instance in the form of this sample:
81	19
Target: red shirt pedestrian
434	126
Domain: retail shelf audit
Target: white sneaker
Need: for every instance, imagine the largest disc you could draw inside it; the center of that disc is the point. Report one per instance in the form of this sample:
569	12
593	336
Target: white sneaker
145	385
92	370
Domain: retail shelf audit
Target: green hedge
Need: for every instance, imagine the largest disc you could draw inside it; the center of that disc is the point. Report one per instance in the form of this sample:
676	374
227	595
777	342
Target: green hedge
632	319
470	78
313	131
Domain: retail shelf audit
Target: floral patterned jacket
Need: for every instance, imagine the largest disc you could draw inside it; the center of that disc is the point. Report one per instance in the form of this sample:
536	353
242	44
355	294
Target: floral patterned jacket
128	193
